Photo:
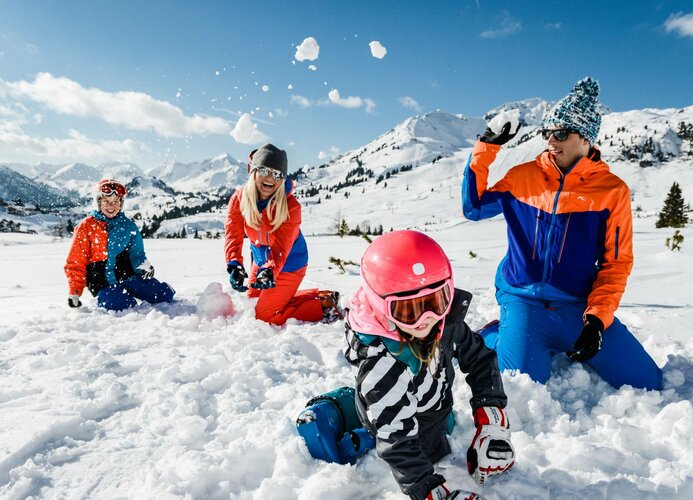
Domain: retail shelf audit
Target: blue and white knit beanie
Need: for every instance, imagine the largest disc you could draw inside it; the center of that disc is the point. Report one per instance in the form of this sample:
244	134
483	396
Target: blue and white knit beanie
578	110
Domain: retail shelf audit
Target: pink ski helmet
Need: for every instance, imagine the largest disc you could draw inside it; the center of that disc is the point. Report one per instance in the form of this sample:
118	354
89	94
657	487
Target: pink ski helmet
407	261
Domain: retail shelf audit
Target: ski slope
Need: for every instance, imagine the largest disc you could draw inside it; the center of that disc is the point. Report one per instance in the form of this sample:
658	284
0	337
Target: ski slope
171	402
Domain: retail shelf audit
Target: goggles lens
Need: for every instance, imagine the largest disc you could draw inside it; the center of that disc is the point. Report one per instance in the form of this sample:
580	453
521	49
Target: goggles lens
408	310
110	188
560	134
267	171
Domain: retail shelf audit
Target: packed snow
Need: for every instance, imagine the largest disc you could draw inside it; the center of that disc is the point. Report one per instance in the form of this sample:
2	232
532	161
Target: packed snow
197	399
377	49
308	50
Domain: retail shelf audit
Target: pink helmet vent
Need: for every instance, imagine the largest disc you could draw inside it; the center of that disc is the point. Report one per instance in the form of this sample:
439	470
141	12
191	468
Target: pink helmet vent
418	269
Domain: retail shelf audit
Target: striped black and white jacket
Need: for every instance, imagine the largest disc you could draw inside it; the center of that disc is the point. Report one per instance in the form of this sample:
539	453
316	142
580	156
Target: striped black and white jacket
402	402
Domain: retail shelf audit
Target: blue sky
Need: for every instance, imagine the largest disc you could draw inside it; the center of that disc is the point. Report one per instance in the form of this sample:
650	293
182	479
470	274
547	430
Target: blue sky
149	81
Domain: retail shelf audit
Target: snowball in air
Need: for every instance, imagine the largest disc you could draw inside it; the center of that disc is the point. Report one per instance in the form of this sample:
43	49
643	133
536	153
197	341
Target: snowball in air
308	50
377	50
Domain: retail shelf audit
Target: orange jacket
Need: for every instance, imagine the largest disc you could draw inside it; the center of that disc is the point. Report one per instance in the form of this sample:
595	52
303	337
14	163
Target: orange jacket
103	252
569	236
284	249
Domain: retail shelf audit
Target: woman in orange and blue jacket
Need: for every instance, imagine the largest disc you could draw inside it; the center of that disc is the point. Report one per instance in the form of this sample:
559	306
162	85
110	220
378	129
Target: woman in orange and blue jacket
266	211
570	251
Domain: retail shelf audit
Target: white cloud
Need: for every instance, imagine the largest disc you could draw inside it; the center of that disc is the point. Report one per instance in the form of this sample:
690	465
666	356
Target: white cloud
245	131
131	110
348	102
370	105
334	150
351	101
377	50
15	143
410	102
304	102
553	26
508	26
308	50
680	23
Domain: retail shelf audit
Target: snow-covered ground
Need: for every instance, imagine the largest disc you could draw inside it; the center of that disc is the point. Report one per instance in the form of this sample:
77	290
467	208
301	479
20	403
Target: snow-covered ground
164	402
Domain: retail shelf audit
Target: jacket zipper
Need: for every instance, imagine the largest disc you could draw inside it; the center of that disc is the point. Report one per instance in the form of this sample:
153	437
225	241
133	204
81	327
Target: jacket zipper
565	234
536	233
551	226
618	230
267	248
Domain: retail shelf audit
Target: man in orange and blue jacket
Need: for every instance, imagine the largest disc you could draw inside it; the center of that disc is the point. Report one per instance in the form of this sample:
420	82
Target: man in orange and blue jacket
570	251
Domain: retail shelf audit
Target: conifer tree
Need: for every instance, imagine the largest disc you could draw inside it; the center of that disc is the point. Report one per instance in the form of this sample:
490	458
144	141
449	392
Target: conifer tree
673	213
343	229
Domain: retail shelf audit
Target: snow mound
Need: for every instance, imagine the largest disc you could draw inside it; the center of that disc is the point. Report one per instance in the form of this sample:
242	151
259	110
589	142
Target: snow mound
214	303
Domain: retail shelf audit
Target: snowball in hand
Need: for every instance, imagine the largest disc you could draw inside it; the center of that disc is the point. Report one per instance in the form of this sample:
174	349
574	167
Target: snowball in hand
512	116
214	302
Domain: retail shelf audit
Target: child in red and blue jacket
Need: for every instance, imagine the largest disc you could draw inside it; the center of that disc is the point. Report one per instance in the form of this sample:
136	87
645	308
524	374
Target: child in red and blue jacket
107	257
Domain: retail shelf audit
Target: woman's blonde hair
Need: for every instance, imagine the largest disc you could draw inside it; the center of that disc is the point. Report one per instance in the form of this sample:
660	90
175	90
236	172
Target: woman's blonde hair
277	209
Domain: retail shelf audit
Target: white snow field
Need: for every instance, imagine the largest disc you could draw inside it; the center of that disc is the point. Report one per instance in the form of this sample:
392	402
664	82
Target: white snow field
168	402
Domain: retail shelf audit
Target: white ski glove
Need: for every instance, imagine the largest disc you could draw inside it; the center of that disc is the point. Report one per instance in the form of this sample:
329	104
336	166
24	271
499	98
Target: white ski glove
440	492
147	268
491	452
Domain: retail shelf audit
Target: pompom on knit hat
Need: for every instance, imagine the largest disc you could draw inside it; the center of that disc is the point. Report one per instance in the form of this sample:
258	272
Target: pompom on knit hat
578	110
270	156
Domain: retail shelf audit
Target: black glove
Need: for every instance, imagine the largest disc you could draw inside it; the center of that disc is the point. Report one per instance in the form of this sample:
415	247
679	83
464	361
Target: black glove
499	138
264	279
589	342
73	301
237	275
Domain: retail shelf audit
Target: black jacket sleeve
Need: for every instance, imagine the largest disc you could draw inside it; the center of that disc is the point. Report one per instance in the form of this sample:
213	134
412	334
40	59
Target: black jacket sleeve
477	361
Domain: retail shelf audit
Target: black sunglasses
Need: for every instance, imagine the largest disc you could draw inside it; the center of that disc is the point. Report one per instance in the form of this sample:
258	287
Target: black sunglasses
561	134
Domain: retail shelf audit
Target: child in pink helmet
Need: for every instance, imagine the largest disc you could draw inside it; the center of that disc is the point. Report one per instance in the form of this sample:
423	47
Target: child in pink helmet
404	327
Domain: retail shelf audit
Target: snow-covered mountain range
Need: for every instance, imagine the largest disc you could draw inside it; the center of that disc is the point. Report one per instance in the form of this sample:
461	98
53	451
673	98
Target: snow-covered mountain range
14	185
387	181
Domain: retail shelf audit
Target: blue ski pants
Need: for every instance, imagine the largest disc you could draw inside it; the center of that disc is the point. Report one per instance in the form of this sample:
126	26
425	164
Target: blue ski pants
529	335
122	295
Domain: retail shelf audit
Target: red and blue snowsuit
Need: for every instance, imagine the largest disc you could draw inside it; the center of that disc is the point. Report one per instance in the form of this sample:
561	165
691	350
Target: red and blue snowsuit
284	250
104	258
569	254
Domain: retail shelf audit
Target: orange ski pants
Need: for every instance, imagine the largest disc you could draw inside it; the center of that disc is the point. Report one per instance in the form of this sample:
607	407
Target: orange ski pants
284	301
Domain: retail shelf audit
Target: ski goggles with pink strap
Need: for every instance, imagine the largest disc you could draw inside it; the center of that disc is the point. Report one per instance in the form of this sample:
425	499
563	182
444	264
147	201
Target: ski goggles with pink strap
411	311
